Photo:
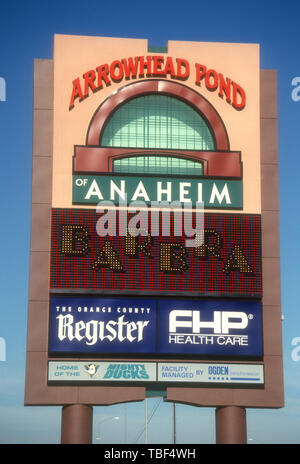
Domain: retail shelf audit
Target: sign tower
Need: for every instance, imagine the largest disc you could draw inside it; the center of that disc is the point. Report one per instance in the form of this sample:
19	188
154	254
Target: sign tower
155	242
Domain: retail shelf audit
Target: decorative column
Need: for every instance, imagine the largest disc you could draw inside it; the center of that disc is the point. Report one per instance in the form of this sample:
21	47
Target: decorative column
231	427
77	424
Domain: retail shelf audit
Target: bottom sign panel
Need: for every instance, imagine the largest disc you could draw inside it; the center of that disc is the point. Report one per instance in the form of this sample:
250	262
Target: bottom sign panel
77	372
206	327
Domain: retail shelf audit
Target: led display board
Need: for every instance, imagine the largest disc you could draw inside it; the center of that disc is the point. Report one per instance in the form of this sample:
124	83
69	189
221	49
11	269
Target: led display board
226	263
172	327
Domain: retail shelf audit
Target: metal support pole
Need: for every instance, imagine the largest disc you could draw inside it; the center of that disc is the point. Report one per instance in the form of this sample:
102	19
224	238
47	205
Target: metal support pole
146	420
125	424
231	425
77	424
174	423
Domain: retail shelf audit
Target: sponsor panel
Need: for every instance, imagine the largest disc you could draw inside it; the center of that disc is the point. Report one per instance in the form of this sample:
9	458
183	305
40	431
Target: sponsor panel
211	373
94	371
95	325
210	327
155	326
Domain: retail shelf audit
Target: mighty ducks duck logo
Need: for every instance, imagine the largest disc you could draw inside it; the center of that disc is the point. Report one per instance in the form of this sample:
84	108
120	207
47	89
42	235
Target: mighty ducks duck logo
91	370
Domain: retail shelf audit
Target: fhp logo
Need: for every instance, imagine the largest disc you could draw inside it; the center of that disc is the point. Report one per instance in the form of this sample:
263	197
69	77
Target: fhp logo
211	327
222	323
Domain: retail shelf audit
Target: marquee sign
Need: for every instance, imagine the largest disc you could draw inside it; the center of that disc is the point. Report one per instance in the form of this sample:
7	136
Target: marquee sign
150	185
170	327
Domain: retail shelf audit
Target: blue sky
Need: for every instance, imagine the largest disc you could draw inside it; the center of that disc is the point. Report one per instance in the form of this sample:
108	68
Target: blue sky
26	32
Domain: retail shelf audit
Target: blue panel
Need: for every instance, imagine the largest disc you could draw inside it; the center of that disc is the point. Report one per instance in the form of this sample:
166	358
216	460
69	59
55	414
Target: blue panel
102	325
214	328
210	327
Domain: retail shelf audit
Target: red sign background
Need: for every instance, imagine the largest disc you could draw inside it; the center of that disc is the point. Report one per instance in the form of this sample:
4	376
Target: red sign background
228	263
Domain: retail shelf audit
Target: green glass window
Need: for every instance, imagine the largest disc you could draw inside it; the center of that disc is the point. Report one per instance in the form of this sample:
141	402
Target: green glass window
158	165
157	122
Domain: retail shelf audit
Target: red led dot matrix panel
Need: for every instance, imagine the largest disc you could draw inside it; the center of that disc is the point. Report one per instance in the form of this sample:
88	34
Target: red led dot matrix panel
227	263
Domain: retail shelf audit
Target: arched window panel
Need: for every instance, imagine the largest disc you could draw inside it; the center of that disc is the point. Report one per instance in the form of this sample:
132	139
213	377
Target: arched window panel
157	164
157	122
158	119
